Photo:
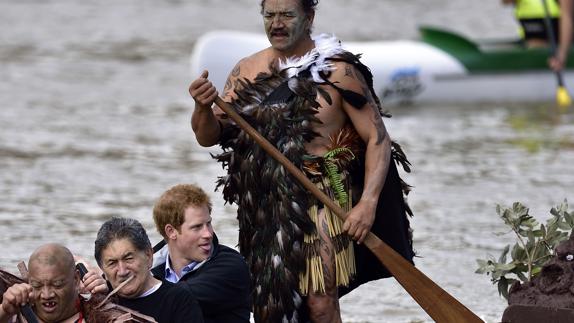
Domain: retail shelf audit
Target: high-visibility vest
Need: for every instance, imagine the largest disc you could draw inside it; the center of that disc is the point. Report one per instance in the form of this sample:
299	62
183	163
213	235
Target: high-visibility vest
533	9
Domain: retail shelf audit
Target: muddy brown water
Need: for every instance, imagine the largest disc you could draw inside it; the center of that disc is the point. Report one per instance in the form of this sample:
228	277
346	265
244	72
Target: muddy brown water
94	122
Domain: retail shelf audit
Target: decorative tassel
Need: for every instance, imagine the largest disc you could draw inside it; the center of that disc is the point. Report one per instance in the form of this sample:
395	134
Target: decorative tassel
344	252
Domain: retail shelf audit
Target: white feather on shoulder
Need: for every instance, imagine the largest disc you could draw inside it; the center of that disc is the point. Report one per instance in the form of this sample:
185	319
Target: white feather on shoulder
326	45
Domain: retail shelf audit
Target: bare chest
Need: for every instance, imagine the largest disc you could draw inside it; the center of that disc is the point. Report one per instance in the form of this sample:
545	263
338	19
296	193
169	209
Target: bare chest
331	113
333	118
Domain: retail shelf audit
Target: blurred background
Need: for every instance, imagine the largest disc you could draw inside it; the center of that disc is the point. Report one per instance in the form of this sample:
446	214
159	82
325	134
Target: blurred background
94	123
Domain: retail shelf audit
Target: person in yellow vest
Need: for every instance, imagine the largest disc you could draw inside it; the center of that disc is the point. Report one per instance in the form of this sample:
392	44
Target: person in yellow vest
531	14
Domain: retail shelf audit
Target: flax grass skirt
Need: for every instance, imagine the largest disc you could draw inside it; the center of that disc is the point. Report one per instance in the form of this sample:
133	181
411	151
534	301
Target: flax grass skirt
312	279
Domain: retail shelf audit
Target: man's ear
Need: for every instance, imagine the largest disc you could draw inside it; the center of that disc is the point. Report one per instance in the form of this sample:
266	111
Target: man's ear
310	18
171	232
149	255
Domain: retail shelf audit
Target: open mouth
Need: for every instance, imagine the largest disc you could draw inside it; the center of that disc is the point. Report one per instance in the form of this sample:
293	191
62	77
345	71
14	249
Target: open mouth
279	34
206	248
49	307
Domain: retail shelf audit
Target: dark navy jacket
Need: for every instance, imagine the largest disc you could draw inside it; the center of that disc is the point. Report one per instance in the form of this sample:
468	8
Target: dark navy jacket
222	285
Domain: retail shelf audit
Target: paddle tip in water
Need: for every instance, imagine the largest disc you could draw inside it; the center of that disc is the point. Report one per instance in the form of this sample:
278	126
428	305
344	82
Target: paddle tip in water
563	98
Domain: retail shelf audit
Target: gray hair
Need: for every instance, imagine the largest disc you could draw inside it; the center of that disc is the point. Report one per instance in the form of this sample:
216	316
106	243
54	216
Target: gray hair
307	5
118	228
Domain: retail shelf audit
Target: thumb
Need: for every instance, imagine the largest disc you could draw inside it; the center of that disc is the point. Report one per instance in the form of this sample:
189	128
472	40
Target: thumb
204	74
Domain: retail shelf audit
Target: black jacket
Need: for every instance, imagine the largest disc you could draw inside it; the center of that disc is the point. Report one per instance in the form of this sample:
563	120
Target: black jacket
222	285
170	303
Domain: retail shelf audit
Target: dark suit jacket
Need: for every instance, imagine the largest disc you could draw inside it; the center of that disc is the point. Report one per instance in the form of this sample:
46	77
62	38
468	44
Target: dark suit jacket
222	286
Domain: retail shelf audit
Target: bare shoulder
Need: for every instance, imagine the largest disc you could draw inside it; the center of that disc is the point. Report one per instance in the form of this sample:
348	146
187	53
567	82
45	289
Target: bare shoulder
364	112
348	77
246	69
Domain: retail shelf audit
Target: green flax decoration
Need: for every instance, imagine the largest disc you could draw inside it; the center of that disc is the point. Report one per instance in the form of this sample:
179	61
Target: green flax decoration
331	166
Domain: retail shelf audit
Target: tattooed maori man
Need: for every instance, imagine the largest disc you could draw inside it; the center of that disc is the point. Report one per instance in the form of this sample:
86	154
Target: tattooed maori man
53	288
315	102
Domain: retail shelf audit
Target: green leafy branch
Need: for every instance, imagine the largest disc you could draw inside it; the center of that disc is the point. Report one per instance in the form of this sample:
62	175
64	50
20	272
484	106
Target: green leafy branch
332	160
534	246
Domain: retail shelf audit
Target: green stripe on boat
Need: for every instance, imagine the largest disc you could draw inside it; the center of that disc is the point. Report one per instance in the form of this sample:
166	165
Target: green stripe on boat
493	56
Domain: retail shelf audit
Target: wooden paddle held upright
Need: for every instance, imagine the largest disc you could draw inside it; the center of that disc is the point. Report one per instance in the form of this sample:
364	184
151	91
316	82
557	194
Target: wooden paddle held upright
434	300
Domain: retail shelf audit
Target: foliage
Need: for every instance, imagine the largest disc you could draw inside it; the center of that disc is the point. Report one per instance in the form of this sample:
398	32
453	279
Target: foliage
535	245
332	158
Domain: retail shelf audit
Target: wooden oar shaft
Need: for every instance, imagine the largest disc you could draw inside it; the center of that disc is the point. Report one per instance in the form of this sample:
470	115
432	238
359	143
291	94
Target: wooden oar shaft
435	301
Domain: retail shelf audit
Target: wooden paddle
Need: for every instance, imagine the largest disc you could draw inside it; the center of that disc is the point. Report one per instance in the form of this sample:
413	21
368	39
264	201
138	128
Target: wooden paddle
562	97
438	304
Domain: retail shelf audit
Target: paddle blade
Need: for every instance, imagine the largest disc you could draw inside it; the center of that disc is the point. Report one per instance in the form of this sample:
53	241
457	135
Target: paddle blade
562	97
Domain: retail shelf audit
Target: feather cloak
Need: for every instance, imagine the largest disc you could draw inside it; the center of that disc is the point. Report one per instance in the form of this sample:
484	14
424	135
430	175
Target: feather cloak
272	205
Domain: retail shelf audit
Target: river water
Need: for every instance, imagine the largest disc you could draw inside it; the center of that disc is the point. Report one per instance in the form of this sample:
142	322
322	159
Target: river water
94	122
